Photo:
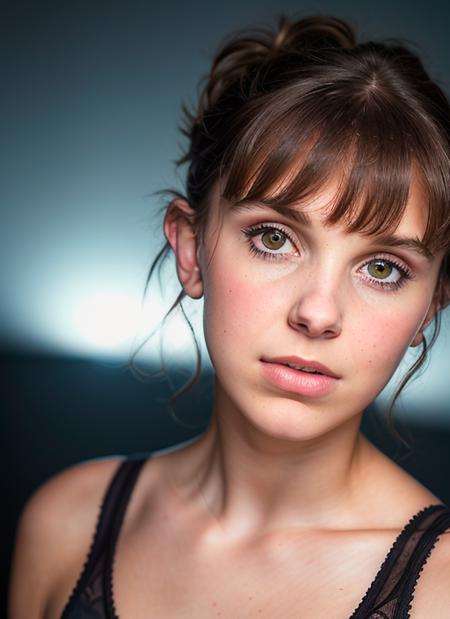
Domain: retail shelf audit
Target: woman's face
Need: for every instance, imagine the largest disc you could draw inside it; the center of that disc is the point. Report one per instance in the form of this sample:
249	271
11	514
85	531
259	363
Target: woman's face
276	287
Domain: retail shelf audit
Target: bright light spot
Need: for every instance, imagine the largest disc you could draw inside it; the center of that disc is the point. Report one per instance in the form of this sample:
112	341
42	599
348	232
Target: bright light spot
106	321
173	342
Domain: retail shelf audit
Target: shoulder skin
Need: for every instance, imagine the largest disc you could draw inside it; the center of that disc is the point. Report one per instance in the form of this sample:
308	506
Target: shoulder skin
53	537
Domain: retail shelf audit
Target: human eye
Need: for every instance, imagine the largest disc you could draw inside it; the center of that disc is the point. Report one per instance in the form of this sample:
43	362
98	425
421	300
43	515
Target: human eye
265	239
387	273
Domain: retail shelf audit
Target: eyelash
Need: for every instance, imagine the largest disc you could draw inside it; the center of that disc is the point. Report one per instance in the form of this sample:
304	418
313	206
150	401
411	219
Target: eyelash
267	255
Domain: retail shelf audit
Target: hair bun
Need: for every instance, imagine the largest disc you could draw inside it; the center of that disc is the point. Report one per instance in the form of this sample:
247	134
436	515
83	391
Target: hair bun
315	32
248	49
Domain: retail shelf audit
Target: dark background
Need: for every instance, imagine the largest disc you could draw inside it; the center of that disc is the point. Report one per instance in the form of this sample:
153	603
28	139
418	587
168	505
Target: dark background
90	103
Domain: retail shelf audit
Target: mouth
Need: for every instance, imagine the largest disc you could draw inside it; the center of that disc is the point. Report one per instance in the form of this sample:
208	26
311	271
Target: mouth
308	382
305	366
303	369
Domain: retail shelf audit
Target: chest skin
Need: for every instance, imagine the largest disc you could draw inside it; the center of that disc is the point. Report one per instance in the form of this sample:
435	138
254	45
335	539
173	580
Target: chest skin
171	561
289	575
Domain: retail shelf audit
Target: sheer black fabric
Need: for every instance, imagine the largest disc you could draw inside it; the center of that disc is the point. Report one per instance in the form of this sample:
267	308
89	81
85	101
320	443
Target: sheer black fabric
388	597
92	597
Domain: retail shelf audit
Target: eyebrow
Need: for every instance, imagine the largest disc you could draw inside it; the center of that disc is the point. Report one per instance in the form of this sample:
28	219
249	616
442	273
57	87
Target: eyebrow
389	240
284	209
414	244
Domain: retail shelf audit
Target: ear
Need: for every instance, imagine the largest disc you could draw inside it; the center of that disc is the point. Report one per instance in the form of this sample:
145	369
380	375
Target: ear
180	232
441	299
418	338
444	296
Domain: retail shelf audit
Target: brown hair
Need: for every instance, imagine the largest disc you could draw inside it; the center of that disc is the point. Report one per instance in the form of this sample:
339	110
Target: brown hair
368	109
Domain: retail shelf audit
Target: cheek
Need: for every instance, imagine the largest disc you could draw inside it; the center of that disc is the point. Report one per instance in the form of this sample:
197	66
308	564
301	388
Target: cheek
378	340
242	295
238	310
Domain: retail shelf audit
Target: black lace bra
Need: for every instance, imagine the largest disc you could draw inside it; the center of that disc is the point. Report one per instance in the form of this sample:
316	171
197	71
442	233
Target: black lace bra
388	597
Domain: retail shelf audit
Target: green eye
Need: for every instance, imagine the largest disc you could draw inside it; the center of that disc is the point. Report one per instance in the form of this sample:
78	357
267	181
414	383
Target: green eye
273	239
379	269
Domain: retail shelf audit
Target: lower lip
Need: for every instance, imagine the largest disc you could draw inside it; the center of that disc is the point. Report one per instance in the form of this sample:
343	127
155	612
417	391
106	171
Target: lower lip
296	381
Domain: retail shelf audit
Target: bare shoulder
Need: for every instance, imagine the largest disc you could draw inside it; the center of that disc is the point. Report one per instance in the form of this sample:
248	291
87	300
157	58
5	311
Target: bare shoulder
432	592
54	534
390	485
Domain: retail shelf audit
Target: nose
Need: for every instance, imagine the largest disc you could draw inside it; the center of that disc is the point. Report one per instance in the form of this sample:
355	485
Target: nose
316	311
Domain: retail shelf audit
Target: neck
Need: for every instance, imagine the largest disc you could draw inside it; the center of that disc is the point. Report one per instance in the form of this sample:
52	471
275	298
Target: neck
253	482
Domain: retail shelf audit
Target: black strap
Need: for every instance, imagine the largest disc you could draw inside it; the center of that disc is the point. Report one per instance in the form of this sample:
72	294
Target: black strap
107	529
124	482
388	592
419	559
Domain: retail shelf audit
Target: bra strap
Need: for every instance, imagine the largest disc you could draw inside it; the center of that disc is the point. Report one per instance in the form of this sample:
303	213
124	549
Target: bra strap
107	528
386	593
439	525
120	491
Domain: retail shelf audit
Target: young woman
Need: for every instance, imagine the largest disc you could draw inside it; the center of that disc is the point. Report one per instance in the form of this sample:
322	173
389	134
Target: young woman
316	226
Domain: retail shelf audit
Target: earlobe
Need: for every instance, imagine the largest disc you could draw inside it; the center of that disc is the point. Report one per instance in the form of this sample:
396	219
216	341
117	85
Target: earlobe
441	298
444	293
180	233
418	338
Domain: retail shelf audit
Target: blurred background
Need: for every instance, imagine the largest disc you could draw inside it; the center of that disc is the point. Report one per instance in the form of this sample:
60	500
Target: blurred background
91	96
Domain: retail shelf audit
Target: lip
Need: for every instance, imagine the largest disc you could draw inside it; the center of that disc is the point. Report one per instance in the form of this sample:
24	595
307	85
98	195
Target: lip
315	365
296	381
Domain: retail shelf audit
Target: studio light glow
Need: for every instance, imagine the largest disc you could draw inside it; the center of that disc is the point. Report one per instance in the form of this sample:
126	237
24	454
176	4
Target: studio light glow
106	321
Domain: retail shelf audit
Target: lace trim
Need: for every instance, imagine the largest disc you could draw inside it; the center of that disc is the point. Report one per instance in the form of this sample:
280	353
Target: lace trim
135	463
113	614
396	548
411	592
88	562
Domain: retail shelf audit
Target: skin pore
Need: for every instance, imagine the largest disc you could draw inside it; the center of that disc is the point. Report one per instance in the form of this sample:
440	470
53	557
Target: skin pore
270	459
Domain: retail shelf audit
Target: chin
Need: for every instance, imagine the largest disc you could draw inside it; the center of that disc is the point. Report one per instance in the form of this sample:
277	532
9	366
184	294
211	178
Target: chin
288	420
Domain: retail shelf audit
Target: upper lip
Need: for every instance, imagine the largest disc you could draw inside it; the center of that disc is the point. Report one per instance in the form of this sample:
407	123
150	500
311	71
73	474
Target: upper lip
309	363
